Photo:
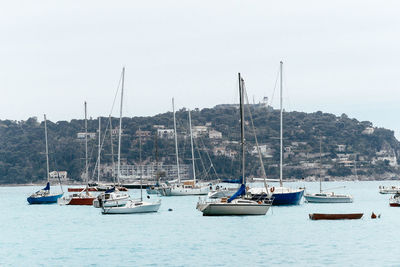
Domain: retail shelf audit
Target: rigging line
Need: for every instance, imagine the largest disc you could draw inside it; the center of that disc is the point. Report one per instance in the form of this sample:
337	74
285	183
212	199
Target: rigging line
276	83
198	152
209	158
101	147
254	131
116	94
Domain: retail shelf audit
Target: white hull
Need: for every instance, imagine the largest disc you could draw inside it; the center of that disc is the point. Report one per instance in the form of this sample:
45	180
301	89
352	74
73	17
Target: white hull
389	190
314	198
181	191
237	207
110	203
113	199
134	206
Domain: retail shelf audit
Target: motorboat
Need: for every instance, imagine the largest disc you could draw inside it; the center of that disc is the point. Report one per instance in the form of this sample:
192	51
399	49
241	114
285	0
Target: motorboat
335	216
389	189
133	206
330	197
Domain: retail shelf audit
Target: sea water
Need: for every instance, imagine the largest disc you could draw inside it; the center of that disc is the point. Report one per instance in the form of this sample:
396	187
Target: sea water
53	235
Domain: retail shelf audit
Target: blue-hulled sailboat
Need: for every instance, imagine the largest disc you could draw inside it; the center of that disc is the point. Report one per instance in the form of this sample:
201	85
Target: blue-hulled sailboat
281	195
44	196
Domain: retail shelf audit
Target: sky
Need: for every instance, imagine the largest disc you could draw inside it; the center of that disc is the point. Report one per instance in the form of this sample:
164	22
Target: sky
339	56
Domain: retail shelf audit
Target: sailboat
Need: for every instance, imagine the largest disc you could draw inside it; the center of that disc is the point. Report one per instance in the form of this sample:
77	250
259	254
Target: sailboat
185	188
132	205
44	196
326	197
83	197
281	195
112	197
237	204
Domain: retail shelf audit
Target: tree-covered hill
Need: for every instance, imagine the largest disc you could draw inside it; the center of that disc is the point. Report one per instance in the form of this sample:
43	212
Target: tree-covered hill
348	145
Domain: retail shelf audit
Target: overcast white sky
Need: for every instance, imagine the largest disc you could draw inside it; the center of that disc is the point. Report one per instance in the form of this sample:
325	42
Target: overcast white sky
340	56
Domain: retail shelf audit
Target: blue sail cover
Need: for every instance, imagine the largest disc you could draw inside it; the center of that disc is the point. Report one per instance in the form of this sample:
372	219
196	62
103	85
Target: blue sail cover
110	190
47	188
240	192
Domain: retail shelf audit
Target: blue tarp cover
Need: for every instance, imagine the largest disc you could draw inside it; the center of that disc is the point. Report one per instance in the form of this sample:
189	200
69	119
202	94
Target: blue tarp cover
240	192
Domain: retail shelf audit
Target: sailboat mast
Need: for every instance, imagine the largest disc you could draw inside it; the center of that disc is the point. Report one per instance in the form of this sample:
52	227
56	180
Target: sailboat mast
320	164
47	149
176	142
99	153
191	143
112	150
242	127
281	129
120	127
141	165
86	147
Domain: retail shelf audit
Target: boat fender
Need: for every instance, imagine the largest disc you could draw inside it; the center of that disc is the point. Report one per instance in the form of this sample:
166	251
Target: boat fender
272	189
259	202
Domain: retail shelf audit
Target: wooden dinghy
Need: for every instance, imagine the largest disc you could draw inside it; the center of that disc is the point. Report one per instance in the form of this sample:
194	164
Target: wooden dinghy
333	216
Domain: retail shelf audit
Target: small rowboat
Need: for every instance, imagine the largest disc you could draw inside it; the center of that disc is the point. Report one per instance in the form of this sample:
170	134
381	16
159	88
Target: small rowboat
330	216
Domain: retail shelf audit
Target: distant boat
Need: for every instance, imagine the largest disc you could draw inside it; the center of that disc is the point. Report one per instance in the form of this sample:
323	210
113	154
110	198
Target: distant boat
83	197
236	204
333	216
44	196
324	197
395	200
389	189
185	188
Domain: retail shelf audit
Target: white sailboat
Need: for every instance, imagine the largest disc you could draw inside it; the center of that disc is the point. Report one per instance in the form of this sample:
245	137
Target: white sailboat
185	188
326	197
131	205
238	204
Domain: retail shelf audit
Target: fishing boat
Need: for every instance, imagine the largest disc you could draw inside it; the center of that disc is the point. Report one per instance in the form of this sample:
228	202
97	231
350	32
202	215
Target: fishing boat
236	204
326	197
395	200
335	216
389	189
83	197
44	196
189	187
281	195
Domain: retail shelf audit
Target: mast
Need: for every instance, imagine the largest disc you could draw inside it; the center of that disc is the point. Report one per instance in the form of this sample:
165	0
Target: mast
141	165
47	149
191	143
281	130
320	164
120	126
156	154
176	142
86	147
99	154
242	127
112	150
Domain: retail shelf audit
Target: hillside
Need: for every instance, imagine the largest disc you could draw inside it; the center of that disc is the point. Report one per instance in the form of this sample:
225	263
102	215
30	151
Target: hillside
345	142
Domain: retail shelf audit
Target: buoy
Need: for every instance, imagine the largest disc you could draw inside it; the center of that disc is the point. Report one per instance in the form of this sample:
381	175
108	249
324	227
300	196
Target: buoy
169	209
373	215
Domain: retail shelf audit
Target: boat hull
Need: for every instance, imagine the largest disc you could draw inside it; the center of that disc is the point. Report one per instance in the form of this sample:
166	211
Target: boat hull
326	216
81	201
179	191
44	199
146	207
80	189
235	208
318	199
290	198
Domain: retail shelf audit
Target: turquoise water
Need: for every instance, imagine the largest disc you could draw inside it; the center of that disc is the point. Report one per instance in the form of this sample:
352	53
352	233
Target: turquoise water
52	235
